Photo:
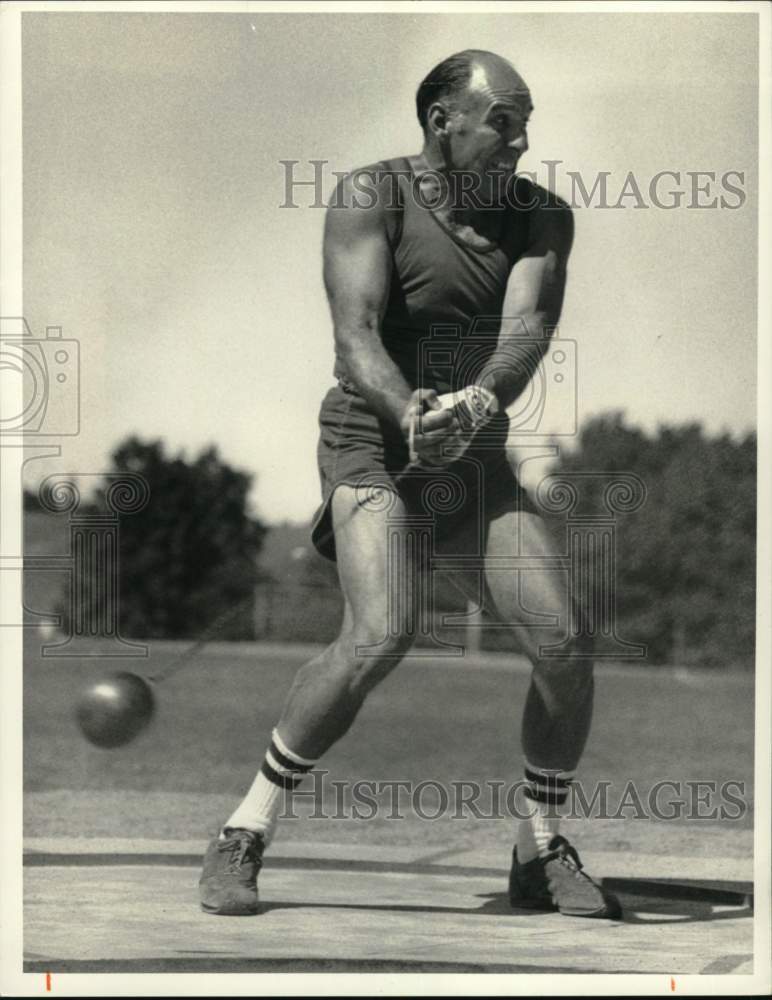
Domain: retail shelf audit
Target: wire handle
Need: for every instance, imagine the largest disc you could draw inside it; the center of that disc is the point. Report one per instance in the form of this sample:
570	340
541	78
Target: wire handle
412	453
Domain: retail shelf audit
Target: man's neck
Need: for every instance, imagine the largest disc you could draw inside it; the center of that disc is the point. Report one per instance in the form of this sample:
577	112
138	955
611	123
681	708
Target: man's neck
466	201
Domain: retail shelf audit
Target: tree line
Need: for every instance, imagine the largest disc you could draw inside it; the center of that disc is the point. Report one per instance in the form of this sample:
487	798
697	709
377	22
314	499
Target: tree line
685	558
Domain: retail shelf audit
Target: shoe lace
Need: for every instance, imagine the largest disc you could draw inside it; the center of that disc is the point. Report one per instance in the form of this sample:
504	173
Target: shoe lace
567	856
242	849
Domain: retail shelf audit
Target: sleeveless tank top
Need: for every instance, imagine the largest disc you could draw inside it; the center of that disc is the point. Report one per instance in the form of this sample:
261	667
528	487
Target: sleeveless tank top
445	298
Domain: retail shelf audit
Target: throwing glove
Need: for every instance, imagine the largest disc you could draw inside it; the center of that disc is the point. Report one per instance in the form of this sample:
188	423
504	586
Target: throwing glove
472	407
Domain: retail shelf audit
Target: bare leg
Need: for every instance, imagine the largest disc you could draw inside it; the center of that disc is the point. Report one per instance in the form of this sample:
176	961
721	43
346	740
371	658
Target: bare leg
558	708
546	870
328	692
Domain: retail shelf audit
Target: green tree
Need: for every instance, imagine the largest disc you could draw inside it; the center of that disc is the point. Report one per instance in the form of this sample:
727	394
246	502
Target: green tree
686	559
188	558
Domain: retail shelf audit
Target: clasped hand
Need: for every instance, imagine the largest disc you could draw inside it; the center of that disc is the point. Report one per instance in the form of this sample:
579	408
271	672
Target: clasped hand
439	429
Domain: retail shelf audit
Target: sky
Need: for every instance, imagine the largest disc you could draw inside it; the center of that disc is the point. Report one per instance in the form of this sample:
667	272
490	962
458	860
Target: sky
156	231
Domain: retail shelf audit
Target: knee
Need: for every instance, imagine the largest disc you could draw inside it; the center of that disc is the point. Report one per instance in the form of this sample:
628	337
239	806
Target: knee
570	660
368	653
553	647
580	650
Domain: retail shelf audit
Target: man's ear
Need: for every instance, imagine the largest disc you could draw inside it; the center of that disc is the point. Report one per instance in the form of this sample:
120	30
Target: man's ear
437	119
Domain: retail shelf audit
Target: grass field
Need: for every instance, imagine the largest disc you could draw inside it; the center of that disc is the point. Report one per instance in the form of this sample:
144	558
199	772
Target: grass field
440	720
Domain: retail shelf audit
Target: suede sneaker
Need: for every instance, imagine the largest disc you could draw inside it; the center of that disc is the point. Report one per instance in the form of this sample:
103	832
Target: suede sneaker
557	881
228	883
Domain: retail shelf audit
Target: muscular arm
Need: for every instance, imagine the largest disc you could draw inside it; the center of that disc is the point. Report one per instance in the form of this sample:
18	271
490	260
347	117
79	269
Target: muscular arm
532	304
357	271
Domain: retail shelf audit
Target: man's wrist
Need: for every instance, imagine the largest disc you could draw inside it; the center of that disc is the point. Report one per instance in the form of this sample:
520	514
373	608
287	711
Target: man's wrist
490	383
474	406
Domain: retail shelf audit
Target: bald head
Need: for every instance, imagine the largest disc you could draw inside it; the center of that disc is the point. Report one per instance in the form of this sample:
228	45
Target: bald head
464	76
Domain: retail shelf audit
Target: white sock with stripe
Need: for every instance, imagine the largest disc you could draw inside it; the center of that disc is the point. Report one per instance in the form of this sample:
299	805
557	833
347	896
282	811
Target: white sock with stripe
281	772
546	791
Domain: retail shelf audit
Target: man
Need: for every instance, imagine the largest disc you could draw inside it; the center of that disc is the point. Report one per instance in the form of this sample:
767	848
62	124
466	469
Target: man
449	238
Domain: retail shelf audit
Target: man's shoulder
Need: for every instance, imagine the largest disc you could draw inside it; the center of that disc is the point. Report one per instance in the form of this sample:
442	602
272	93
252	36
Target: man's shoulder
527	194
550	218
383	168
374	185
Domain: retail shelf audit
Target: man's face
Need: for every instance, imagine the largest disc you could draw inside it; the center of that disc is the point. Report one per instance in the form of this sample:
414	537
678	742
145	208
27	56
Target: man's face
487	131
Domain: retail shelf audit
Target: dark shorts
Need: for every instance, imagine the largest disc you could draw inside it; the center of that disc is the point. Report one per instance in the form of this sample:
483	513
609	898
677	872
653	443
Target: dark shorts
358	449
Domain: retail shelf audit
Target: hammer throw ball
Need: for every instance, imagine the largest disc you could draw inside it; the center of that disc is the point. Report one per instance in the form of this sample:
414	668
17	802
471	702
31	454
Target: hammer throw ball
115	709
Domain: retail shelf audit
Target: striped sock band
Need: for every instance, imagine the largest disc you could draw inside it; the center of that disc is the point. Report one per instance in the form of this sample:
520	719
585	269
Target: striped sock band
281	771
283	767
547	787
